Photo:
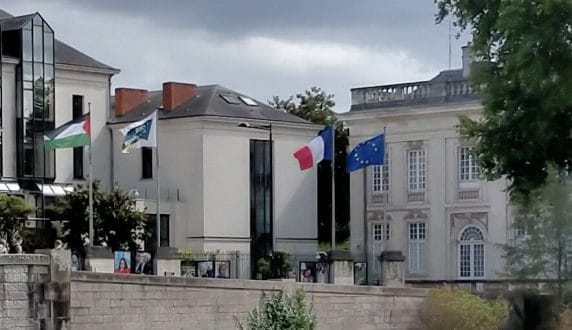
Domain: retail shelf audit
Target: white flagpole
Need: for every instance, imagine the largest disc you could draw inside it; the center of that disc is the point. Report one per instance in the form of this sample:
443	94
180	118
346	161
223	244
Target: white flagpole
90	181
333	188
158	224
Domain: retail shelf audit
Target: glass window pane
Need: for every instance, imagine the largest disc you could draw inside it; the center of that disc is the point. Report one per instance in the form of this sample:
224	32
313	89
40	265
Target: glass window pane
39	73
27	45
39	102
38	44
38	20
28	159
48	46
27	71
28	98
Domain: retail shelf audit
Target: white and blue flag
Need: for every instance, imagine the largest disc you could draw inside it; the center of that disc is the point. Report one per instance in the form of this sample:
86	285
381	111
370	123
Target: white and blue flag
142	133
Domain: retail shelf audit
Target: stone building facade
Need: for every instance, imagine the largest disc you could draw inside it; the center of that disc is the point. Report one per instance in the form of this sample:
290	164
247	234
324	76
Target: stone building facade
428	200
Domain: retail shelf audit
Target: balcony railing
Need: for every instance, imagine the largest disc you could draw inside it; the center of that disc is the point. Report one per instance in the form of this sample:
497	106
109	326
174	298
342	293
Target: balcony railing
422	92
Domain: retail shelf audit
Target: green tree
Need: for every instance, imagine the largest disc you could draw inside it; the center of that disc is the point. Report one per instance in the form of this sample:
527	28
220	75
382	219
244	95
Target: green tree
544	233
525	79
13	212
316	106
116	222
281	311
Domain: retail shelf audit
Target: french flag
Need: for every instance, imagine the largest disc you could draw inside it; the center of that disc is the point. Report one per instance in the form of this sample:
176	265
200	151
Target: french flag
315	151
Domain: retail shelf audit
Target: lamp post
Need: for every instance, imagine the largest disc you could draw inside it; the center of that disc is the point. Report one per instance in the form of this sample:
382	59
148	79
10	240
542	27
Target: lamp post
271	149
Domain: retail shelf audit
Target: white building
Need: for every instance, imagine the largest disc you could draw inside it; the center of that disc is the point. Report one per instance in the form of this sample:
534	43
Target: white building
428	200
216	190
46	83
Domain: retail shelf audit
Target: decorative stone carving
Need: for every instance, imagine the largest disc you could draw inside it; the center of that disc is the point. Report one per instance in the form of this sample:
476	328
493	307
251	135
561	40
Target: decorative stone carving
415	144
415	215
378	216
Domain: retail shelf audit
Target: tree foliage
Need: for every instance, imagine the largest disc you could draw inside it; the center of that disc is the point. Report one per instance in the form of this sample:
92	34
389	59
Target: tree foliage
525	85
316	106
13	212
116	222
281	311
457	309
544	221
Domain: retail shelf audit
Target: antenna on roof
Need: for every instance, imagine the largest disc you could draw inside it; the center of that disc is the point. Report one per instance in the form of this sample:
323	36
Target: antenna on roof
449	43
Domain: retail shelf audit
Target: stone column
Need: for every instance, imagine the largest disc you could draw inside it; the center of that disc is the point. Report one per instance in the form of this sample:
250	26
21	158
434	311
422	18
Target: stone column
57	291
341	267
23	280
167	262
392	271
99	259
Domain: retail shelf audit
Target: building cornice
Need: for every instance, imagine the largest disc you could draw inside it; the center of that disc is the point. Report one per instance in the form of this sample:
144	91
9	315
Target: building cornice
396	112
79	68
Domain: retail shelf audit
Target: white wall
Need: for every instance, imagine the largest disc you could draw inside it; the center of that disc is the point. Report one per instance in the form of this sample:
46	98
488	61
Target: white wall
208	161
446	214
95	89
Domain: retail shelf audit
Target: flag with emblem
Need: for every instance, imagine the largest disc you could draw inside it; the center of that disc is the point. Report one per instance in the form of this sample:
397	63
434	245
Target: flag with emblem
142	133
366	153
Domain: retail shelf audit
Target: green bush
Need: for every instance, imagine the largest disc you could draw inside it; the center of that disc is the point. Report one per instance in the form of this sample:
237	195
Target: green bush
280	312
276	266
461	310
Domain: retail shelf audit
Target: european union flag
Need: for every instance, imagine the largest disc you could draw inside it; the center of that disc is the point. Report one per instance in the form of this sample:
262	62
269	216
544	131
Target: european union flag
369	152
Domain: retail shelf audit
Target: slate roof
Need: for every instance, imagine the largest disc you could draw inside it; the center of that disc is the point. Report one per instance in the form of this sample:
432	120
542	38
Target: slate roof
65	54
209	102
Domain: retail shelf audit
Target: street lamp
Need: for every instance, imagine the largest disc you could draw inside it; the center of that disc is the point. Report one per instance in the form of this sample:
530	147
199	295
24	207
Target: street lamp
269	129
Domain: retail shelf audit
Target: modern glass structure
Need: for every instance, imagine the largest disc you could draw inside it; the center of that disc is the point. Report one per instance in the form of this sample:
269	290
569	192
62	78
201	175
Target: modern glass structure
31	40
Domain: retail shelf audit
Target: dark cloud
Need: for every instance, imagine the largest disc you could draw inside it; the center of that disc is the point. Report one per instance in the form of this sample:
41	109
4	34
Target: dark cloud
261	48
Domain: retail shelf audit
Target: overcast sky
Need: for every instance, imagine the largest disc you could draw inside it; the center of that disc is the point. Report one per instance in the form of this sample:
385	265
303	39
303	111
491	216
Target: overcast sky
258	47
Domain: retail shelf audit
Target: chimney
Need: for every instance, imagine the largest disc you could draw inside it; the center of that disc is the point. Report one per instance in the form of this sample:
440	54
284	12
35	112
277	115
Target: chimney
467	60
126	99
175	94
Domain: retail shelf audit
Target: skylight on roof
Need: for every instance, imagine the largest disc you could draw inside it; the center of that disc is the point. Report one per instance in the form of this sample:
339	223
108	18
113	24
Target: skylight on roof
230	99
248	101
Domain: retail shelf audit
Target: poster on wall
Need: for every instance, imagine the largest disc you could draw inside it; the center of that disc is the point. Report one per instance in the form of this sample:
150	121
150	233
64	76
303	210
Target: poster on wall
122	262
205	269
143	263
360	273
322	272
307	271
188	268
222	269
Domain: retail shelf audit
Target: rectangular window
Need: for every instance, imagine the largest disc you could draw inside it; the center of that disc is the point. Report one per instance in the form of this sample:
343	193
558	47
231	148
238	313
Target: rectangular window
380	176
164	234
416	247
146	163
416	170
164	230
78	154
261	189
468	169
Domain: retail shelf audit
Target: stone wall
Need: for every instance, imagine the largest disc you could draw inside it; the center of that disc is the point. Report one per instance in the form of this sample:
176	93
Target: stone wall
23	283
108	301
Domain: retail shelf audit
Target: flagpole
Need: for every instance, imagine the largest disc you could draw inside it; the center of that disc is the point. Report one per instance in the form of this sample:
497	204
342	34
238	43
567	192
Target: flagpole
90	181
158	220
333	188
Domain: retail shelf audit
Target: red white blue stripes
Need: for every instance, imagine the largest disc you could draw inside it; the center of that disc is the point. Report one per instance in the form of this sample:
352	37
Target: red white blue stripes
315	151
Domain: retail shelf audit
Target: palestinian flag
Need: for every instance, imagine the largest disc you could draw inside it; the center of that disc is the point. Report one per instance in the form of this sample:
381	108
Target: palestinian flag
72	134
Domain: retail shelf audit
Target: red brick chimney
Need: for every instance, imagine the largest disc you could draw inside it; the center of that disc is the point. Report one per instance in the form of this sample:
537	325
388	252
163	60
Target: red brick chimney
175	94
128	98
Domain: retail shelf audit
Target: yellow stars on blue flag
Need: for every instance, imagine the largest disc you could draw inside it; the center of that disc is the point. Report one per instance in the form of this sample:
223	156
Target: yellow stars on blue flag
366	153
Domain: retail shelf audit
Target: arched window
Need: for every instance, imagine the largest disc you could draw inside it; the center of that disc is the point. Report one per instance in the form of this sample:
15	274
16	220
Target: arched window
471	253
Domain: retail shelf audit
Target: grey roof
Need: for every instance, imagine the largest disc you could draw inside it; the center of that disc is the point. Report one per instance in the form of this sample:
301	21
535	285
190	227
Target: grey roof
208	102
65	54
